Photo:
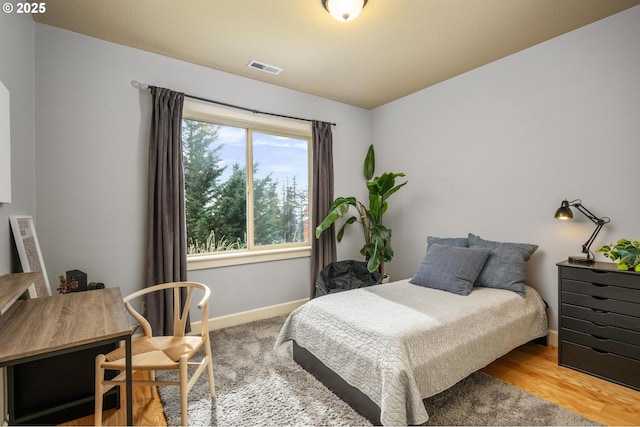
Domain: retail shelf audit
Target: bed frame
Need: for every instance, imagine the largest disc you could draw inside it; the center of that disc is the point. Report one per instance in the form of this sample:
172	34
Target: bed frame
345	391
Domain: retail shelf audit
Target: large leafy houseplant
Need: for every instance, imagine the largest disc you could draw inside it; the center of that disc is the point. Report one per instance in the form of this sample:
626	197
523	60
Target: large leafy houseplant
626	253
377	247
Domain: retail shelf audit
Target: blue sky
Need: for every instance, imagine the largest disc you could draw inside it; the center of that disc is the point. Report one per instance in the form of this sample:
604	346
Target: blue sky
283	156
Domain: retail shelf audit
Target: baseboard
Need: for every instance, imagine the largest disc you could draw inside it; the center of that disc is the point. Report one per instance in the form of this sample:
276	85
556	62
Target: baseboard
250	315
552	338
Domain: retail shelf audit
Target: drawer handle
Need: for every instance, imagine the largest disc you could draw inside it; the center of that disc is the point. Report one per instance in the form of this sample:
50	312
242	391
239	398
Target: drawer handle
599	285
599	324
599	311
597	350
599	338
599	298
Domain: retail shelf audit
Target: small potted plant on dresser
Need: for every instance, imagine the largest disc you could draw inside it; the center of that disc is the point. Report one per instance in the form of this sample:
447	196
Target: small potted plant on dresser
625	252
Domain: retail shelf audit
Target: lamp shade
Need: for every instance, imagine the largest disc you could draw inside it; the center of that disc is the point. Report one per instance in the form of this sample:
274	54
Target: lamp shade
344	10
564	211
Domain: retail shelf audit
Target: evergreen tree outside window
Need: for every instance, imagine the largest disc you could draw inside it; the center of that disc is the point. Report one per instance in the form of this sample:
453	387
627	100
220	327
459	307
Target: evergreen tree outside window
232	209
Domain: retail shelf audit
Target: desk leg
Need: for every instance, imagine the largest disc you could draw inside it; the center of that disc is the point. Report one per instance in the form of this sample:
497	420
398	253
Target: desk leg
129	381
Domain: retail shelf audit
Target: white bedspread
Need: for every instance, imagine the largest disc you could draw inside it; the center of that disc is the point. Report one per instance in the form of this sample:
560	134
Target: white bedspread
399	343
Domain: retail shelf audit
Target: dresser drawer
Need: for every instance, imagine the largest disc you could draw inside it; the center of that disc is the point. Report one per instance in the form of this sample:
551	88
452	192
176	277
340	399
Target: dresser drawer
601	344
600	303
601	330
623	279
602	317
599	290
619	369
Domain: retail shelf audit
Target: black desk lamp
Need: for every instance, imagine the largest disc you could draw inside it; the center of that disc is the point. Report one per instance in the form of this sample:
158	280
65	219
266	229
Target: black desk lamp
564	213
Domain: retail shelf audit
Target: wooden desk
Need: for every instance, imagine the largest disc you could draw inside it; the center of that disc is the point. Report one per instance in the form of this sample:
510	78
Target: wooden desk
42	327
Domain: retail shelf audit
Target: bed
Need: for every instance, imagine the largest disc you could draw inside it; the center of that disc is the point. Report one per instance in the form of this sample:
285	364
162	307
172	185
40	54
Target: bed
399	343
385	348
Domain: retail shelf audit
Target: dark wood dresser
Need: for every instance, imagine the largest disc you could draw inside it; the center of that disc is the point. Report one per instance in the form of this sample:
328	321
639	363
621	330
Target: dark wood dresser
599	325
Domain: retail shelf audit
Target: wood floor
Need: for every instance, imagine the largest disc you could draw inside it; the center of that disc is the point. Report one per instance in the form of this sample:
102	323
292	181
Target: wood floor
147	411
532	367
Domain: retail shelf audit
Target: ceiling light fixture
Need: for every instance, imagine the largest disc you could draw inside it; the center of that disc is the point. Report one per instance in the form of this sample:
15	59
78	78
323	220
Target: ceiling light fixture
344	10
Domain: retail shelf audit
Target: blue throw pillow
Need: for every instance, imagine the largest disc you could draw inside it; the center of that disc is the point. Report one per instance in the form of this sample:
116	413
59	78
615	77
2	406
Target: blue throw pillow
461	242
450	268
505	268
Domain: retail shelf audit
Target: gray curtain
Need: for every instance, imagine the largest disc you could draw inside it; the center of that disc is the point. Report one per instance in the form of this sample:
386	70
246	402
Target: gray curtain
323	250
166	227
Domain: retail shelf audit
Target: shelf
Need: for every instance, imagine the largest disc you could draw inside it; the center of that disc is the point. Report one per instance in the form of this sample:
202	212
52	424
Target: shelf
12	286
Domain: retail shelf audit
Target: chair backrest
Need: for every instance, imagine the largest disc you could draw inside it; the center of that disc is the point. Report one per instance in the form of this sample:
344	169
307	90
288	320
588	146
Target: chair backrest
179	315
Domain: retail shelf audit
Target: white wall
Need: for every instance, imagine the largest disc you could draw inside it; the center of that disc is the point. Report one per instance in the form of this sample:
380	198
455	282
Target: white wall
494	151
91	156
16	73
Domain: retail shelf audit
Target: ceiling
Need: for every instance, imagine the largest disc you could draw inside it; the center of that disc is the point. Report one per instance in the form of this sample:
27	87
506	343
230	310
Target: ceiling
394	48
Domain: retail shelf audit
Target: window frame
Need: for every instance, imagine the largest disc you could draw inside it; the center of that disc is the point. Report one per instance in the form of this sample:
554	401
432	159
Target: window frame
252	122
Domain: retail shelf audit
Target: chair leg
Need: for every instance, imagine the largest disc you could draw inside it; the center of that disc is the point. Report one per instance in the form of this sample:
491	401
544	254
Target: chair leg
212	385
184	380
99	373
154	388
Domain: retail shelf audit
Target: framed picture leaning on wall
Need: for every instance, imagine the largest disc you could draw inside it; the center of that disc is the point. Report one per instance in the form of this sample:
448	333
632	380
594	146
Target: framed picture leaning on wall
24	234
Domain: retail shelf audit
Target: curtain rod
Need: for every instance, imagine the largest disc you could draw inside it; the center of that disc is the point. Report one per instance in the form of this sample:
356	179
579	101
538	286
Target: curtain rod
146	86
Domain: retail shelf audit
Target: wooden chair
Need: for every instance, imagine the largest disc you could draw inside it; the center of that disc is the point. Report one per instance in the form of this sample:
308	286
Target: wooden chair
151	353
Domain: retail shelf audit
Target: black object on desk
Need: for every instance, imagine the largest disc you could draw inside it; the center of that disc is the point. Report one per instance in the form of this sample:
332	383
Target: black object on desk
78	276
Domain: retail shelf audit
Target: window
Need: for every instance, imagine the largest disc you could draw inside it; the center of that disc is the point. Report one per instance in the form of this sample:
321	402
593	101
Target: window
239	214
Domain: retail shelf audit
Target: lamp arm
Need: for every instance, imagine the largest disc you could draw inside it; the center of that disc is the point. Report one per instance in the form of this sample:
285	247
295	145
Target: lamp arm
599	223
587	244
586	212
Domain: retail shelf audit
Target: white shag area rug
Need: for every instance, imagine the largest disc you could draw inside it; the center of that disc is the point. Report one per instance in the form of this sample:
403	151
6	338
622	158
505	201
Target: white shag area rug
256	386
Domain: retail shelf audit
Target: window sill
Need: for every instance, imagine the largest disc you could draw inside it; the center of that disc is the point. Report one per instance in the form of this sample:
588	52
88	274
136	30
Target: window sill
200	262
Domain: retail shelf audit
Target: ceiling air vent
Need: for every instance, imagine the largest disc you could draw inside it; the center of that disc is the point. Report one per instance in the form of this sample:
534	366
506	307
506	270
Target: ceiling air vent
264	67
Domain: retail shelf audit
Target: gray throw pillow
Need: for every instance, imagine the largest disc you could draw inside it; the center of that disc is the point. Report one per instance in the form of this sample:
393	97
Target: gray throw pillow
505	268
461	242
450	268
